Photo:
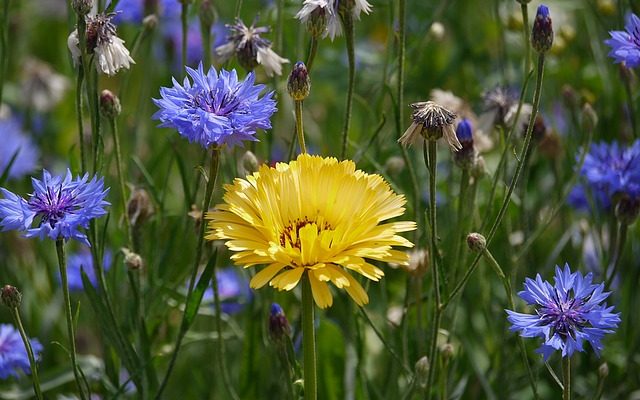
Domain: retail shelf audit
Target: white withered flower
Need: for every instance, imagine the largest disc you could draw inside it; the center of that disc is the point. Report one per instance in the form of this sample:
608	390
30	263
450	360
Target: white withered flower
321	16
42	87
250	48
102	40
431	121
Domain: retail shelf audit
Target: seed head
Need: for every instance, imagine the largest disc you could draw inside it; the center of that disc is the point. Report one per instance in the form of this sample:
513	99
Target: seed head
431	121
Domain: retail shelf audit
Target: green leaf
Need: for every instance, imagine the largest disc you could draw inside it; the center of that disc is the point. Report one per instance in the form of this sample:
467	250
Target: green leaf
193	303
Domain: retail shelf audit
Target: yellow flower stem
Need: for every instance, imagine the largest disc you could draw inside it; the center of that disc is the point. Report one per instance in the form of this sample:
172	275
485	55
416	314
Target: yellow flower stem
32	360
299	127
431	160
62	263
566	378
184	326
349	33
309	341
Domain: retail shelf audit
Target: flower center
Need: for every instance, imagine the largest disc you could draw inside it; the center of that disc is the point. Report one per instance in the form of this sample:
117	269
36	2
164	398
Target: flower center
53	205
564	316
290	235
212	102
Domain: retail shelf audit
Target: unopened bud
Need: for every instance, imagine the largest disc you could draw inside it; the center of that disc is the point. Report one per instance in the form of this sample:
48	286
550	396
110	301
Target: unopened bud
132	260
476	242
150	22
479	169
109	104
279	326
437	31
446	350
542	33
207	14
82	7
394	165
464	157
248	163
299	84
603	370
11	297
539	129
317	22
422	371
588	118
139	207
627	209
606	7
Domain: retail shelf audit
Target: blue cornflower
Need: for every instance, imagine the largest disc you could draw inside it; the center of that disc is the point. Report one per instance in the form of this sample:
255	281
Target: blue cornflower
625	45
83	261
567	314
216	108
13	354
62	206
16	144
233	290
133	11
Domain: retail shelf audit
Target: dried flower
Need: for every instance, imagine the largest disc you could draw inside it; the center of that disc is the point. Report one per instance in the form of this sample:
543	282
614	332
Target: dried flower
431	121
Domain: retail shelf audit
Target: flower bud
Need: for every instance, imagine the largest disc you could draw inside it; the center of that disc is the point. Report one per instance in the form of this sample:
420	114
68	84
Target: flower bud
139	207
464	157
437	31
299	84
207	14
627	209
606	7
132	260
588	118
542	33
447	351
11	297
422	371
478	170
82	7
109	104
279	327
603	370
476	242
248	163
150	22
317	22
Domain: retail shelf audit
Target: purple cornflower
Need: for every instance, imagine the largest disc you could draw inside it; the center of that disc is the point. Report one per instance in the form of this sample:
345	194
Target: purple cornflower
62	206
567	313
83	261
216	108
610	172
625	45
133	11
13	354
233	290
16	144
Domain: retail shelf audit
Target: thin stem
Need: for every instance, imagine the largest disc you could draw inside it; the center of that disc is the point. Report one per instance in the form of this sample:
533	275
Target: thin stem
461	222
401	55
206	45
514	181
32	360
184	25
385	342
631	105
493	263
313	49
431	161
184	327
83	157
4	59
62	263
220	342
349	33
566	378
238	8
120	171
309	341
617	253
527	42
92	93
299	127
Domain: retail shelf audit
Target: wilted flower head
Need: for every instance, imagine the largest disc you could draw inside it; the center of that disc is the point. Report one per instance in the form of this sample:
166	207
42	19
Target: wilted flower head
216	108
17	151
42	87
82	260
322	16
568	313
315	216
61	206
625	45
13	354
250	48
431	121
102	40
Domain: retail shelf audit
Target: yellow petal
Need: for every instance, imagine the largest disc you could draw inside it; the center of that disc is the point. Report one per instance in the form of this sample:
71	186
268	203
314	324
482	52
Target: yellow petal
288	279
265	275
320	290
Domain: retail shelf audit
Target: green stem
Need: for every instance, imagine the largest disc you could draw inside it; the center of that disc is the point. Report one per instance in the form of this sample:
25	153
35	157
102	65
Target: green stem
83	157
514	180
431	161
184	327
527	42
92	93
566	378
401	56
631	105
461	222
493	263
299	127
4	59
220	342
62	263
32	360
120	171
184	25
313	49
349	33
617	253
205	31
309	341
238	8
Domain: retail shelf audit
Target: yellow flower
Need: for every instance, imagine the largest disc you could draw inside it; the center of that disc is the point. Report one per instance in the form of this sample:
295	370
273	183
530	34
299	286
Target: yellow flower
314	214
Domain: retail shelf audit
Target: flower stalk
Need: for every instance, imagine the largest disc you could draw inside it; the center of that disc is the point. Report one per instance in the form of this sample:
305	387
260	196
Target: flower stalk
27	345
566	378
309	341
349	33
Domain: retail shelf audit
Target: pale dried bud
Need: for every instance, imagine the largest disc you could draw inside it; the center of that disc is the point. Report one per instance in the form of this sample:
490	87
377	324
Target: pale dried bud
132	260
422	371
139	207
